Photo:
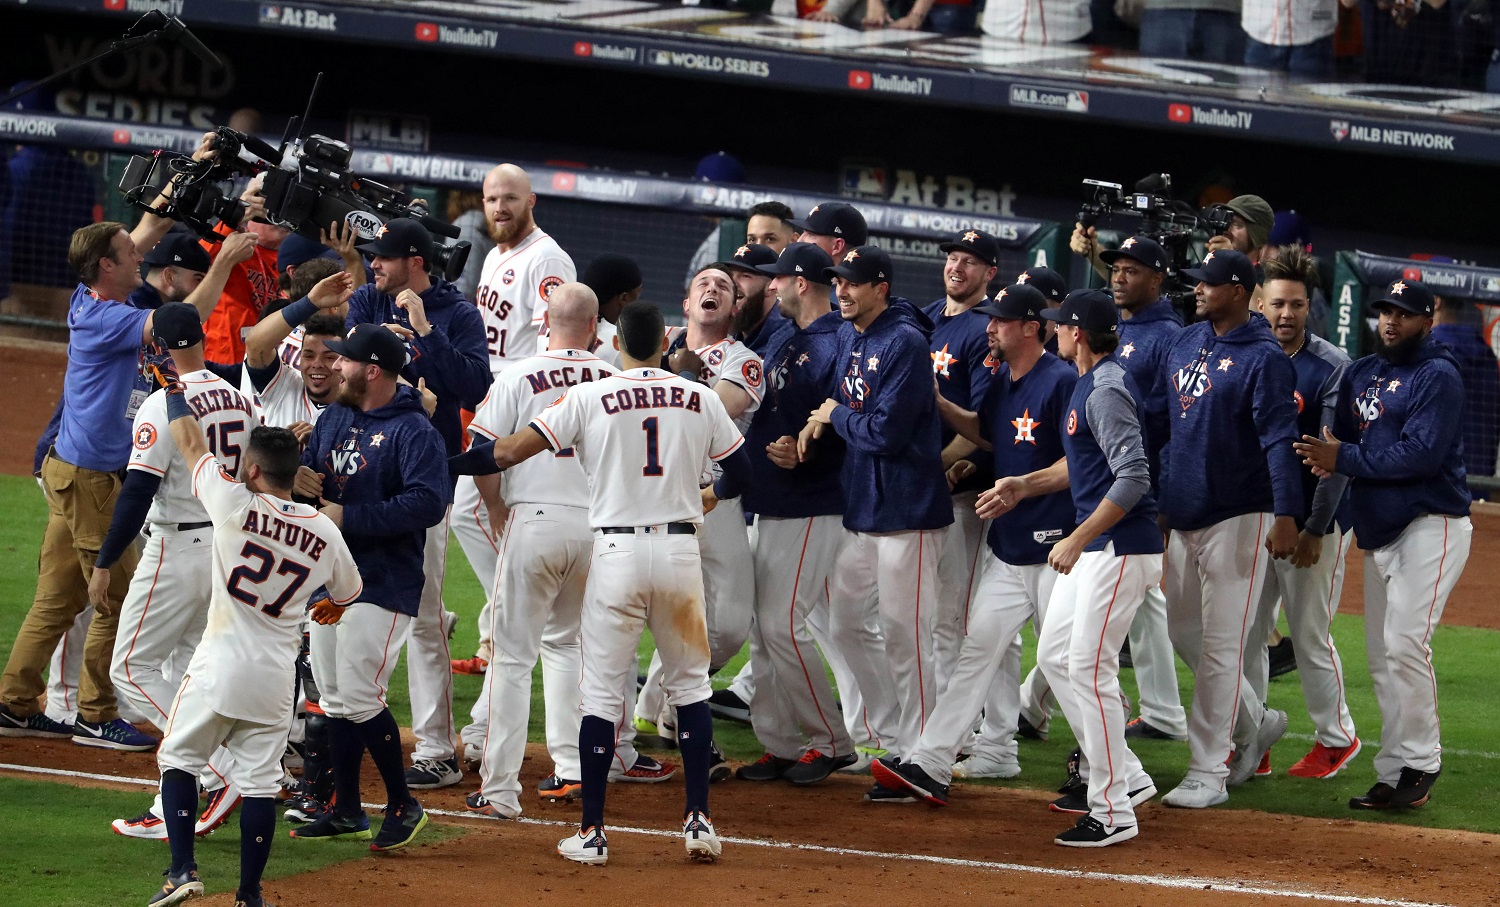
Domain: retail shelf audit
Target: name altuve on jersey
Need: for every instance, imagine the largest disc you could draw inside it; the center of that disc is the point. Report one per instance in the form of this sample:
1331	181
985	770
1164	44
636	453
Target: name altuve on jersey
289	534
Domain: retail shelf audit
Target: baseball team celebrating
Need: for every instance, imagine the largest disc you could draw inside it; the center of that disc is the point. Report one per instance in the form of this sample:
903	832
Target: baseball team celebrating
918	484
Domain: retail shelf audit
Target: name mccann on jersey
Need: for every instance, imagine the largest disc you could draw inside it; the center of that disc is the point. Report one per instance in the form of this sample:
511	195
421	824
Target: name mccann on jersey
656	398
567	376
278	530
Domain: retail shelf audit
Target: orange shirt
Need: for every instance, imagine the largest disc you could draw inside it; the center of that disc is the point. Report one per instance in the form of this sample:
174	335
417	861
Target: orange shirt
252	285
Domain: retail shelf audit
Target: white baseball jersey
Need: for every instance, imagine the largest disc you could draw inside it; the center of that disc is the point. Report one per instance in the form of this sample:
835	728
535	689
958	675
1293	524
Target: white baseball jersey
1037	21
285	399
604	348
640	436
732	361
270	555
226	417
514	287
518	395
1289	23
290	348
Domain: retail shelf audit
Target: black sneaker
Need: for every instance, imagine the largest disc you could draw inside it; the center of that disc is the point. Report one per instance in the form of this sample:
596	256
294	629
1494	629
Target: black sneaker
1028	730
718	766
302	810
882	794
1377	797
725	704
908	776
1076	801
814	767
1283	658
330	826
479	804
559	790
116	734
400	827
1413	789
178	887
429	774
766	768
38	725
1090	832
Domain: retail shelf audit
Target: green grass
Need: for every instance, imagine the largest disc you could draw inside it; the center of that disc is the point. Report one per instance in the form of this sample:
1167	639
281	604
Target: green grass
70	861
1463	799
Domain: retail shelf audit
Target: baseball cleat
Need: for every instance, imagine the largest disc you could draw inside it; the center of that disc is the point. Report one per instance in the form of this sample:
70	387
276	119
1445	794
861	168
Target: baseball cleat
1077	802
588	846
814	767
728	705
986	767
909	777
480	805
1028	730
400	827
473	757
38	725
148	826
882	794
1414	788
1377	797
471	666
766	768
559	790
718	766
220	806
302	810
1090	832
645	771
1141	729
1243	765
703	845
178	887
117	734
1194	793
332	826
863	756
1324	761
430	774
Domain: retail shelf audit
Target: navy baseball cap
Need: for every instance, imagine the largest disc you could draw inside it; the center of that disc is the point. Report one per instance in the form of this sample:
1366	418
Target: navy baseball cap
179	250
1092	310
1017	302
750	257
297	249
372	343
1052	284
801	259
865	264
401	237
977	243
835	219
1224	266
1410	295
1140	248
176	326
611	274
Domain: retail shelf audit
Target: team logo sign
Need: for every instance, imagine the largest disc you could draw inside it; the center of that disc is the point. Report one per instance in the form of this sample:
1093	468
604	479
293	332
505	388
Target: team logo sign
548	285
1072	421
145	437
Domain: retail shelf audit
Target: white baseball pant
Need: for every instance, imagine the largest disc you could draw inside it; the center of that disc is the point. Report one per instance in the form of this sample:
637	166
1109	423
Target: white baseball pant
959	568
429	661
1156	666
354	658
470	521
195	732
544	565
1407	584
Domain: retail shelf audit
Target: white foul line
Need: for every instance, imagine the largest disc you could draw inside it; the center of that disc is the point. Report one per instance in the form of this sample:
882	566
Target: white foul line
1177	882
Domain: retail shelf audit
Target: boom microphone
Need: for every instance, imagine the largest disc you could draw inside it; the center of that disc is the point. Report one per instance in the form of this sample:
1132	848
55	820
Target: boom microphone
176	30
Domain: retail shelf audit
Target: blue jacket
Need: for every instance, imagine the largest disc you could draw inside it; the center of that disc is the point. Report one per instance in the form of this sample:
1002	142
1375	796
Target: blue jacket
453	358
388	469
963	368
1232	420
1024	421
771	334
1402	449
1142	342
893	471
1481	375
799	372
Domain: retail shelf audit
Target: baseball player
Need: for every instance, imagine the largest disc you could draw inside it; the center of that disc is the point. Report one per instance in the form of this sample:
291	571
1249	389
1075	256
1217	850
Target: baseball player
167	606
1309	583
377	460
237	692
898	506
1397	436
642	437
294	396
1106	564
1231	491
518	277
836	228
733	371
758	323
616	281
1021	419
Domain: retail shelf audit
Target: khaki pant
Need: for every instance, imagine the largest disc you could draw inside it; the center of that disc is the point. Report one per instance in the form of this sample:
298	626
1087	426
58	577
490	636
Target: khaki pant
80	503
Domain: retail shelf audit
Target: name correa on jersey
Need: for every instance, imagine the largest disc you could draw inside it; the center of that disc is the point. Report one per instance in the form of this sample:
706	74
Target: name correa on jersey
650	398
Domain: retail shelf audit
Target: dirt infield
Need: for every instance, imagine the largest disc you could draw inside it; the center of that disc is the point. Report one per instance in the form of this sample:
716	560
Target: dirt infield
824	846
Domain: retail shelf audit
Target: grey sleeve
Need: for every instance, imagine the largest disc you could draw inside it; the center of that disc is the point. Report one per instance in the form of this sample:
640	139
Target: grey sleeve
1330	489
1117	427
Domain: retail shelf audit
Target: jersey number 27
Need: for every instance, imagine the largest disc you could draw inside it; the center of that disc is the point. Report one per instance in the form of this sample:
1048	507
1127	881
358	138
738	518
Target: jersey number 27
257	574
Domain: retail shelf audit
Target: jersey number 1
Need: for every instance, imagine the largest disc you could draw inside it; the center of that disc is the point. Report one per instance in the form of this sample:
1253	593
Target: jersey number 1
257	575
653	459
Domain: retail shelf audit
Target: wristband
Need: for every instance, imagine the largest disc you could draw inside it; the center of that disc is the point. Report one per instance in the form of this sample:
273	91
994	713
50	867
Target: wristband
177	407
297	312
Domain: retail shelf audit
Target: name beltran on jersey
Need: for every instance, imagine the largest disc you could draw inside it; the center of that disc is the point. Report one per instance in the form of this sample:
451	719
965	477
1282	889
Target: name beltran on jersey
652	398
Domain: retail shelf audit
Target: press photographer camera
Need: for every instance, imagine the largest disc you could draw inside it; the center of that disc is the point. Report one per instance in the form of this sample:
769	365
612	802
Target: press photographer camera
307	186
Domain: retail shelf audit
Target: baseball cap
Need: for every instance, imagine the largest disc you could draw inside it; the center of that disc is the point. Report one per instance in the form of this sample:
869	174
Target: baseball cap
1092	310
1411	295
978	244
1259	218
801	259
297	249
750	257
179	250
611	274
373	343
1052	284
1141	248
865	264
176	326
1224	266
1290	229
719	167
835	219
401	237
1017	302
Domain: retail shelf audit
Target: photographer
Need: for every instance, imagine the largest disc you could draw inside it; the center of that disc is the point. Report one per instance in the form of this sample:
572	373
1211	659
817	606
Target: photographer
253	283
1249	230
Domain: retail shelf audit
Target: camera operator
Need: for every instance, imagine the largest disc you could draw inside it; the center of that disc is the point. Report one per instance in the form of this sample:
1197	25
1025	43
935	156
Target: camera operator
253	283
1249	230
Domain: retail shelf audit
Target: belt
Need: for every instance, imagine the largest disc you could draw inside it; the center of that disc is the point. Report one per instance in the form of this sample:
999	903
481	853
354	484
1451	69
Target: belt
189	527
669	528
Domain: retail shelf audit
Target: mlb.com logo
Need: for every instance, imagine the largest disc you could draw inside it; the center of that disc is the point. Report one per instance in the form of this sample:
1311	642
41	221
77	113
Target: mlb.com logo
859	79
1180	113
426	31
564	182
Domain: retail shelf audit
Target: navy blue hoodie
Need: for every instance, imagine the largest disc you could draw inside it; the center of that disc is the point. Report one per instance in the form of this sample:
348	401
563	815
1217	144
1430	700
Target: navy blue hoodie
1143	339
1402	448
1232	418
893	471
453	358
799	371
388	470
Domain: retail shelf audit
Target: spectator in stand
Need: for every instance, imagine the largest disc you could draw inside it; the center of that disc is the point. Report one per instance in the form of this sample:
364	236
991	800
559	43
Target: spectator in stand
1295	36
948	17
1409	42
1480	372
1193	30
466	212
1037	21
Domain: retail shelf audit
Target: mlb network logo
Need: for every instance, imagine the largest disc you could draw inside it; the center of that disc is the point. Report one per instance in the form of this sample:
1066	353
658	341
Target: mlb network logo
859	79
426	31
